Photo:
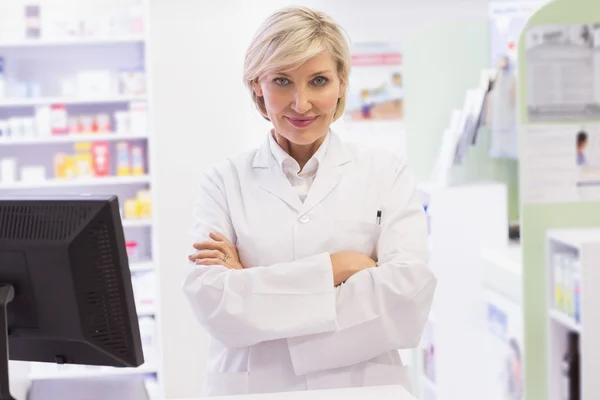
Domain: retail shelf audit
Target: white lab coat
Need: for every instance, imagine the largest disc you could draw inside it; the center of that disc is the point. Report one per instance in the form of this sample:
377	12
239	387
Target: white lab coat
280	324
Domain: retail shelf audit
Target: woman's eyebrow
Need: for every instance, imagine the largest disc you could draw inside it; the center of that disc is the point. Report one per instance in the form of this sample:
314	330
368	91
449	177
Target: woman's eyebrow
315	74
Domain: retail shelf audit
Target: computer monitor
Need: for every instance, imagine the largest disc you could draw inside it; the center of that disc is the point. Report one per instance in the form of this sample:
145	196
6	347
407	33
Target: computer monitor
65	285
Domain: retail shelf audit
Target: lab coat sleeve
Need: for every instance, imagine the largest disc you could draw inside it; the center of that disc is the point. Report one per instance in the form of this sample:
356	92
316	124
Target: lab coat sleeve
379	309
244	307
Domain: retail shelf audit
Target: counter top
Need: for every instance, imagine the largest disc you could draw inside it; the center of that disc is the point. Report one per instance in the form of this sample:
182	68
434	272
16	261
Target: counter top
373	392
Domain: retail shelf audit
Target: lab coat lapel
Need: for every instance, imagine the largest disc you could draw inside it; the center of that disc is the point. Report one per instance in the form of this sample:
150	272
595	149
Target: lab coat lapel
272	179
329	173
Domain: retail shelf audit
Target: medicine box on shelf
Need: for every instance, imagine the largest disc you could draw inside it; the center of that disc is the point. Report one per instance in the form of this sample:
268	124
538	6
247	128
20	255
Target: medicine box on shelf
573	282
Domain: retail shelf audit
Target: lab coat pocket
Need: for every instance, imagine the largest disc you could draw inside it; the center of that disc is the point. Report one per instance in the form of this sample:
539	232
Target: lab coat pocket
386	374
226	383
356	235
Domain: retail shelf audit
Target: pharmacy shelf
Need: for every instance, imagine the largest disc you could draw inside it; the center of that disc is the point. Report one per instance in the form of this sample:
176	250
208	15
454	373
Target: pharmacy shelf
564	320
99	372
144	266
78	182
575	238
31	102
74	138
146	310
74	41
136	223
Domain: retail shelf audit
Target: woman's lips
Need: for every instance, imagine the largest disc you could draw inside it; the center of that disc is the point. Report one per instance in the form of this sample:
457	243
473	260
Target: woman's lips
301	122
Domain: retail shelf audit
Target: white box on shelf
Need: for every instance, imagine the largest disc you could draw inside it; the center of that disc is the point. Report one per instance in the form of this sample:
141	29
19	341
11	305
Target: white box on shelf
96	83
138	118
572	280
8	171
32	174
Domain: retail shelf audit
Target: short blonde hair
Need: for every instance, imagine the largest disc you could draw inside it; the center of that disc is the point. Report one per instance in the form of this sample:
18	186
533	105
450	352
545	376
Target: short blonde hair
289	38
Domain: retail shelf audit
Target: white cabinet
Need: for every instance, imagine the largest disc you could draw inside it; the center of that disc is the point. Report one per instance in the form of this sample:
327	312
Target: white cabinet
463	220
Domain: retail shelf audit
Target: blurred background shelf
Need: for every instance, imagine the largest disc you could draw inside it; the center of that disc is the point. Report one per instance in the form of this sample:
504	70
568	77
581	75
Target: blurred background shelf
31	102
73	41
136	223
16	141
78	182
142	266
87	372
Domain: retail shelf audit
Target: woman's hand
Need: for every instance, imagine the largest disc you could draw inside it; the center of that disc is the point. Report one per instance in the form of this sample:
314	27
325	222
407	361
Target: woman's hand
347	263
218	251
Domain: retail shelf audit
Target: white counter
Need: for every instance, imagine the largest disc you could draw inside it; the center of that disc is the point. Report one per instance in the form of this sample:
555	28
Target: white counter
373	392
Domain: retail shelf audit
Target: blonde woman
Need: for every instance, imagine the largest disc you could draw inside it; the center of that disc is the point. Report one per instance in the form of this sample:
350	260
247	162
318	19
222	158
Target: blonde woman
310	262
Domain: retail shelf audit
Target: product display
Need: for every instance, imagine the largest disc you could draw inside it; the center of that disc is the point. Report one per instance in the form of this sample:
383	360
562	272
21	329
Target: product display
565	269
130	160
139	207
32	21
38	22
92	159
138	118
101	159
67	74
132	82
59	121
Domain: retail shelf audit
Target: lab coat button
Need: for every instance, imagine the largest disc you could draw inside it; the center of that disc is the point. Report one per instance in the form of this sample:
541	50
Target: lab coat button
304	219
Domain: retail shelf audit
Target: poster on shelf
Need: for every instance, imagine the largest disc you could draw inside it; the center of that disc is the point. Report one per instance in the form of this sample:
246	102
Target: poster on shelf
561	163
507	20
375	87
503	348
563	73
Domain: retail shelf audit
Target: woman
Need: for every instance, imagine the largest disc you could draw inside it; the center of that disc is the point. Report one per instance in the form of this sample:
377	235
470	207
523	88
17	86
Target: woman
310	263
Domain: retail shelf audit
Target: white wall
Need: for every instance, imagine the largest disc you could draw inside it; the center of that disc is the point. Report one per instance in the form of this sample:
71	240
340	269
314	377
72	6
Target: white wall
202	113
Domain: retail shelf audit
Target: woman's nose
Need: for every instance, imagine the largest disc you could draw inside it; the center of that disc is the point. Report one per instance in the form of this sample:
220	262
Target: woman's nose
301	103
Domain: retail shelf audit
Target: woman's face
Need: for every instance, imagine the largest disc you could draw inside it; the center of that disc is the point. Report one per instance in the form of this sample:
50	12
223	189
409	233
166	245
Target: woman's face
301	103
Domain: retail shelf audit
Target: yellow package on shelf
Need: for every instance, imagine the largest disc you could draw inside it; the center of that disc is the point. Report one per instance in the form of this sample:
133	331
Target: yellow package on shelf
83	160
123	159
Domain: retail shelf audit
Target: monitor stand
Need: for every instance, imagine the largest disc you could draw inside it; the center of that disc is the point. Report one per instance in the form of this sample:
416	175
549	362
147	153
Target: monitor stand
7	294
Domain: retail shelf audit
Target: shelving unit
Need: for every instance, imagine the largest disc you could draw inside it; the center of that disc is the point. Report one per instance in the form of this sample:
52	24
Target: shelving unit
89	372
73	41
52	64
70	101
77	182
76	138
573	299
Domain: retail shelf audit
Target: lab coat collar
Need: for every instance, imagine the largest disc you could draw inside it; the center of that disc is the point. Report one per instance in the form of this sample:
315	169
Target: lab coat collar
337	154
272	178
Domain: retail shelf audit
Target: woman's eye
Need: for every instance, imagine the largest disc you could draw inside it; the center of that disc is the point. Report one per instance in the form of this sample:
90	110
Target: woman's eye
281	81
320	81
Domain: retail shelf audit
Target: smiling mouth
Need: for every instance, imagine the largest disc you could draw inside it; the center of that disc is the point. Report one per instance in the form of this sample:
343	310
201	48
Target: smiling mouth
302	122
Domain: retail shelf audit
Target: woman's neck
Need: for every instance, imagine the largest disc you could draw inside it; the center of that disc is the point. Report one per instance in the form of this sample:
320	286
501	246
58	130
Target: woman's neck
300	153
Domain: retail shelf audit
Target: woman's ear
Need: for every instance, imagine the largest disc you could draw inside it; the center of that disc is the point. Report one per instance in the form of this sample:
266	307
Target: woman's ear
257	89
341	90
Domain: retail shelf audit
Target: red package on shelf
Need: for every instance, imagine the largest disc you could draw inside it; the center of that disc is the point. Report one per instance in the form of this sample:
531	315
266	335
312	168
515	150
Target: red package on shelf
101	158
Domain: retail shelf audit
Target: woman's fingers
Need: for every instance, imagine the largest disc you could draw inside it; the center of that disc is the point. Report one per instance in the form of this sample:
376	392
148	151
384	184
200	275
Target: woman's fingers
210	261
220	238
209	245
206	254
